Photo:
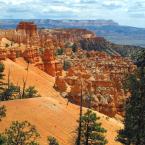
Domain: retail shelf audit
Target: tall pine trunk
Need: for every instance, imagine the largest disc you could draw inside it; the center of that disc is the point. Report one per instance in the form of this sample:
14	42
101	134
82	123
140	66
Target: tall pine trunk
80	120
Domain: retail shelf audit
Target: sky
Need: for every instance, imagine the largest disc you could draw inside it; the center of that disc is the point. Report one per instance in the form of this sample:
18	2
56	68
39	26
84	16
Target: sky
125	12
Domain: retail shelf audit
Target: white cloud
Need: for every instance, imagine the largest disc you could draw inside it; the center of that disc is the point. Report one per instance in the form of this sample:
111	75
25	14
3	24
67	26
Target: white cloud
124	11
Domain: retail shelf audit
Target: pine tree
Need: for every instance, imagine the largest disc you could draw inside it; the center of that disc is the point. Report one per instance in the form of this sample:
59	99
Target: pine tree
21	133
74	47
134	122
91	132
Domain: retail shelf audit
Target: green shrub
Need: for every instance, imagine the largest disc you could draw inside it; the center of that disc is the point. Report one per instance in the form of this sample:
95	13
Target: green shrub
66	65
52	141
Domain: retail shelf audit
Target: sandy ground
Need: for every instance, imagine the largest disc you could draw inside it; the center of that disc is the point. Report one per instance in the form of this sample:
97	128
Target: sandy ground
50	113
42	81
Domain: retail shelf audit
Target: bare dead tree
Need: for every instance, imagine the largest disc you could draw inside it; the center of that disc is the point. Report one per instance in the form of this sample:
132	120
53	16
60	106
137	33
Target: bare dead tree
89	106
19	90
24	82
80	117
9	74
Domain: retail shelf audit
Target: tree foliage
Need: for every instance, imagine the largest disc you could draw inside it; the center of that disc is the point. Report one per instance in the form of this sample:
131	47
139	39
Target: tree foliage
20	133
66	65
2	84
52	141
74	47
60	51
31	92
91	131
10	93
134	122
2	112
3	139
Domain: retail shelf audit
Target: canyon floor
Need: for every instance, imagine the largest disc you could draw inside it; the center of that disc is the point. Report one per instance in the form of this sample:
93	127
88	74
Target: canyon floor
50	113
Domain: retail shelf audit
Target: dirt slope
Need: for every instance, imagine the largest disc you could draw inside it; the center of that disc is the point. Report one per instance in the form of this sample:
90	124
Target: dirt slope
50	113
42	81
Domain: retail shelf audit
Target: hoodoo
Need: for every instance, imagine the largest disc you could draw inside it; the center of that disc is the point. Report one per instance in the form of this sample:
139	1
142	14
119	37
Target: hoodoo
69	55
28	28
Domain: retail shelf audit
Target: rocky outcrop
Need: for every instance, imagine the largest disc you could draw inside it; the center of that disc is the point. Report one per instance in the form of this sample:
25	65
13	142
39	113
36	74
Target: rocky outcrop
31	55
60	84
12	55
3	54
49	62
28	28
101	76
99	44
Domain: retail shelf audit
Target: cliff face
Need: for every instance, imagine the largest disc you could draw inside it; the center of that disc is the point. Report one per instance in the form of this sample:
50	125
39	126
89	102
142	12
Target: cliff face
98	43
69	35
101	44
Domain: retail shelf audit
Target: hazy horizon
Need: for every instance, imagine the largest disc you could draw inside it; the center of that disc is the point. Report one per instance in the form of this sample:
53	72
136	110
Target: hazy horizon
123	12
28	19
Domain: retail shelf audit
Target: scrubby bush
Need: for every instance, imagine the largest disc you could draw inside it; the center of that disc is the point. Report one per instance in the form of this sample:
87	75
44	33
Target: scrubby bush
52	141
2	112
59	51
66	65
31	92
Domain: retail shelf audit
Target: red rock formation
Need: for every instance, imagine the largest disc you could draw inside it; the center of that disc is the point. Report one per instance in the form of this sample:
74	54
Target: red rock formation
49	62
28	28
12	55
60	84
40	66
75	93
3	54
59	68
68	51
31	55
48	55
70	72
49	68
